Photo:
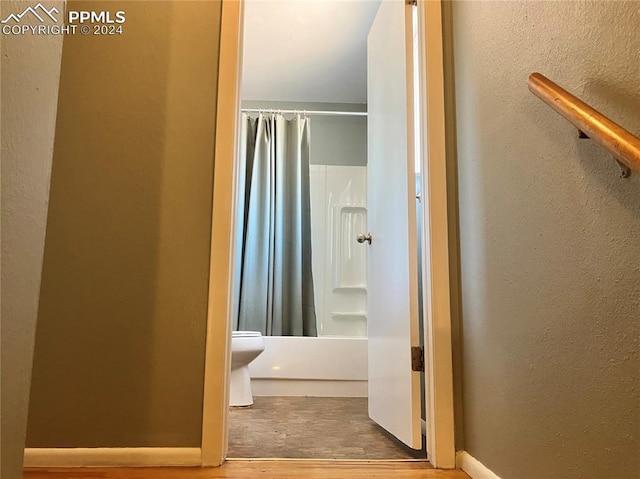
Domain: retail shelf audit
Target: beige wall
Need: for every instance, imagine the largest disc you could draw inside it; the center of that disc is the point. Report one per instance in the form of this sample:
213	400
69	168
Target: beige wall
550	250
30	70
119	357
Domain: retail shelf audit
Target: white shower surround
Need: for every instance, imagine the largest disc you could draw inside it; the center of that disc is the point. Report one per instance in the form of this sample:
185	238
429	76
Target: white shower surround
334	363
338	214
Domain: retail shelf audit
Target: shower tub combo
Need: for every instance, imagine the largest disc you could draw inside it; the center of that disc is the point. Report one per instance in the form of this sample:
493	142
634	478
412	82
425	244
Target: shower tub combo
335	362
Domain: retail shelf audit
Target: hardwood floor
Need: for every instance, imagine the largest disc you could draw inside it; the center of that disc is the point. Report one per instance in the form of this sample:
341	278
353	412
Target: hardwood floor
261	469
322	429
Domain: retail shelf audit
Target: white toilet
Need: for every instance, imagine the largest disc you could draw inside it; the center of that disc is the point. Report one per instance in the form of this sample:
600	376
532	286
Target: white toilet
245	347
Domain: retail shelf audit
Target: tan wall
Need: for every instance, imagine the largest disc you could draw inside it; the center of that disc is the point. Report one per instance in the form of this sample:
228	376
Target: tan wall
550	249
119	357
30	72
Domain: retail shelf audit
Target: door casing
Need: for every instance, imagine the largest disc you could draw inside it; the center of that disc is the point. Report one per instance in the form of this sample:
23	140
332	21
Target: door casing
435	264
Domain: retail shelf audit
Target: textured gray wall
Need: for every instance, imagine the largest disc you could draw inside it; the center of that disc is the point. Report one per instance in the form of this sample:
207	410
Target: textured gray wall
30	74
120	342
550	248
335	140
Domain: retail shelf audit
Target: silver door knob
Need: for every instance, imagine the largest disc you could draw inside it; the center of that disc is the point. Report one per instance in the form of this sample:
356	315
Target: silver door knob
361	238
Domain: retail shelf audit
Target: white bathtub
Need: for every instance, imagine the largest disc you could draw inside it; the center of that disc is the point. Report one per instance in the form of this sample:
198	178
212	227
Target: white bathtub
300	366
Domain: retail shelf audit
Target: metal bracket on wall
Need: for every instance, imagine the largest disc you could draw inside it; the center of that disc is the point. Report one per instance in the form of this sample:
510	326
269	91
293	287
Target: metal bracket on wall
583	135
625	171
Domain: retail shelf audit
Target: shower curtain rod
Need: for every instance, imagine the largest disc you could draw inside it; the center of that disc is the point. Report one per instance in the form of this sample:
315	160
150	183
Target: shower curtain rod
305	112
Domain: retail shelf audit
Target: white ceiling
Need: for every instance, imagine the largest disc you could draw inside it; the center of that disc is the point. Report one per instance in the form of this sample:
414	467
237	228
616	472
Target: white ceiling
307	50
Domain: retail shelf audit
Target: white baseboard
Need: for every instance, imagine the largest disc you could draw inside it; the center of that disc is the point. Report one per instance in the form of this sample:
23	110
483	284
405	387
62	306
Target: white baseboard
473	467
112	457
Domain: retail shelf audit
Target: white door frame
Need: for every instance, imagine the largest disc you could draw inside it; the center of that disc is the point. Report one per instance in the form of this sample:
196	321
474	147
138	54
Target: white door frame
437	309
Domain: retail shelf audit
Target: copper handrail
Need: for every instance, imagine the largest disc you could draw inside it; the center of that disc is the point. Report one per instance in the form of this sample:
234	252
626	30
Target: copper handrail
622	144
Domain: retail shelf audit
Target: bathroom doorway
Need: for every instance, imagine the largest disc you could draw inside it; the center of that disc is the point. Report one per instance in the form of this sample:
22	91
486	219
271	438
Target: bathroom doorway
210	439
305	143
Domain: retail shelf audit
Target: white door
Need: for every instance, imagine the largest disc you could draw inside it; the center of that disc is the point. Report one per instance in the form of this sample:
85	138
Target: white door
394	389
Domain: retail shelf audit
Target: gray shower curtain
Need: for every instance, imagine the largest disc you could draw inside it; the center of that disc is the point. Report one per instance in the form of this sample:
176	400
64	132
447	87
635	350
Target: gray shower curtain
276	284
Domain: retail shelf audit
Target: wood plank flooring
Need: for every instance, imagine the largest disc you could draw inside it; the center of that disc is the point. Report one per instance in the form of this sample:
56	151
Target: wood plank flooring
298	427
311	428
260	470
